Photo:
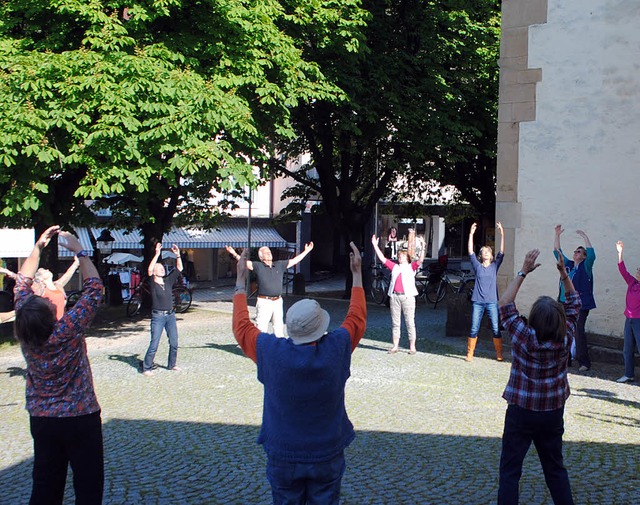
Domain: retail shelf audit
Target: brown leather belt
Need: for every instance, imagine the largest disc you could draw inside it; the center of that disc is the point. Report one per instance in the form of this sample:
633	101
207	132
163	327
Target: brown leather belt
269	297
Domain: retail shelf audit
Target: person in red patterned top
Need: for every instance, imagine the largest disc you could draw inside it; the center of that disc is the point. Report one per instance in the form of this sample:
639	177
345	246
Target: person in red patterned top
60	398
538	385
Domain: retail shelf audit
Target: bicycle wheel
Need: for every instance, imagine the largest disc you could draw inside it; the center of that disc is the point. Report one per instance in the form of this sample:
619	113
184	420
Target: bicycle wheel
134	304
378	290
182	299
467	289
72	299
435	291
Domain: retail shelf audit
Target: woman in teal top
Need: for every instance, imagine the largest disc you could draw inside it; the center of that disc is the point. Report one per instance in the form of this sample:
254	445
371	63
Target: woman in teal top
580	270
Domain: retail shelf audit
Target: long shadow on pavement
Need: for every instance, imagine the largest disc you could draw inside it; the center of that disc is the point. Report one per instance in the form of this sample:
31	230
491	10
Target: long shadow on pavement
157	462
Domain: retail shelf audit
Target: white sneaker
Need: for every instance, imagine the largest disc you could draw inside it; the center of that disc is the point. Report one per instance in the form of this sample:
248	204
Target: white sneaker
624	379
147	373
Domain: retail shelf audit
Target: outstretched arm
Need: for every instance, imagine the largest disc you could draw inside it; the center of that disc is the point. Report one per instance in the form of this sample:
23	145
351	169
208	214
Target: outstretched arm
66	277
620	248
243	329
87	269
379	253
31	264
297	259
356	321
528	266
556	240
236	256
154	260
176	250
501	230
587	242
473	229
8	272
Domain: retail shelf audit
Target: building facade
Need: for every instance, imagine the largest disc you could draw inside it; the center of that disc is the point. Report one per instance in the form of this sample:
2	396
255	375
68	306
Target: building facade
569	141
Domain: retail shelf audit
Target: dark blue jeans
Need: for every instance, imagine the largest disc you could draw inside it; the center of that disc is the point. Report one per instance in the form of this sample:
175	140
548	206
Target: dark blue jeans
58	442
545	430
582	348
631	340
306	483
159	322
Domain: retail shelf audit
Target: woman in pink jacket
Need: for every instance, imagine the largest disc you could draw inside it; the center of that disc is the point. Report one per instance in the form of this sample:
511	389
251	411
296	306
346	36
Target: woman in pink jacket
632	313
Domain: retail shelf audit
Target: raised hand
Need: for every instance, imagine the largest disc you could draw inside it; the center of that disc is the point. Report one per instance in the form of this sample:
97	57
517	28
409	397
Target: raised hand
529	264
69	241
46	236
355	260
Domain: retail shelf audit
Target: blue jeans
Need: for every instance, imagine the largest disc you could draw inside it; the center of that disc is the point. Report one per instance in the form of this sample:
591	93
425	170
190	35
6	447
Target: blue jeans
545	430
631	340
159	322
476	318
306	483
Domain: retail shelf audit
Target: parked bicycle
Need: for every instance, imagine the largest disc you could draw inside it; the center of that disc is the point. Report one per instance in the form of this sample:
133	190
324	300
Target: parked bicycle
380	280
436	283
182	297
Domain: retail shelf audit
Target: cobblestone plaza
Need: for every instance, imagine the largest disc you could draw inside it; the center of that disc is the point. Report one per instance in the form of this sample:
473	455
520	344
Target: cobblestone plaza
428	426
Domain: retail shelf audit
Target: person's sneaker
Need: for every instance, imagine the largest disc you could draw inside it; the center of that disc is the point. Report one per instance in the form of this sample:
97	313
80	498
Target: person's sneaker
147	373
583	368
624	379
177	369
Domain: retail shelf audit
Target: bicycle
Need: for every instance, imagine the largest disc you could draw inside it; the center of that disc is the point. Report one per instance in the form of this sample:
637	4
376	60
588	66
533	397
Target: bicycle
72	298
379	284
440	281
182	297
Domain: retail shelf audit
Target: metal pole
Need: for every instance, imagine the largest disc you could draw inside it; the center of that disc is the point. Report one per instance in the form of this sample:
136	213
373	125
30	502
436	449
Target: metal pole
248	288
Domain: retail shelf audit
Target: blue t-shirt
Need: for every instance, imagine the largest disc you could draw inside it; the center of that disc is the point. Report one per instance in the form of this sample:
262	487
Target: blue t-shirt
486	286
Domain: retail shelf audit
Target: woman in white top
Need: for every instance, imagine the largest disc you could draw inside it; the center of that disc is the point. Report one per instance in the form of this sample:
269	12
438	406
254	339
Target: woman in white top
402	294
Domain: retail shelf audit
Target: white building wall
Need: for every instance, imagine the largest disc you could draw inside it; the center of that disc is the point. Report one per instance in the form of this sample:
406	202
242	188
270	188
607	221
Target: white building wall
579	160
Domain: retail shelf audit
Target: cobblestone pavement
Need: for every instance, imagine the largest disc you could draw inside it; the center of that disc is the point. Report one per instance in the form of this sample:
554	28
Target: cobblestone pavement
428	426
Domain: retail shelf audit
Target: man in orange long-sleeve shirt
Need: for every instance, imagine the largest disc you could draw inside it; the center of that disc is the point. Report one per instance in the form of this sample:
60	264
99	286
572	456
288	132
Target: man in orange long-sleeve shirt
305	427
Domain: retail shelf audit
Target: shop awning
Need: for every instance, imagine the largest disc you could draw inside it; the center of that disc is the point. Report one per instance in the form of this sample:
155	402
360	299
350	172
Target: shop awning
19	243
232	234
16	243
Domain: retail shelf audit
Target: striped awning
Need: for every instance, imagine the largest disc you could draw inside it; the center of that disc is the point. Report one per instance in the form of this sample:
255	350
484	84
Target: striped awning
232	234
83	237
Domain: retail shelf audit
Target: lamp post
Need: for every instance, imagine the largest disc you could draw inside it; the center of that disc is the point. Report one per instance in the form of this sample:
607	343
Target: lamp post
105	246
105	243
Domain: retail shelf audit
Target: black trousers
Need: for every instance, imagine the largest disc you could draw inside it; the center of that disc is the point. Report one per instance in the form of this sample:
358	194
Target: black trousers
58	442
545	430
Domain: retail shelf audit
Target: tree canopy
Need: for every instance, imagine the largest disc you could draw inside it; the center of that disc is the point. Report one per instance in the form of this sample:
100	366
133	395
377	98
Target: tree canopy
150	104
422	102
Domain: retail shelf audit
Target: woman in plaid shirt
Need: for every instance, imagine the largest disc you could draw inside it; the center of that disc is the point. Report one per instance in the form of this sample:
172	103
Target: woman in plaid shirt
538	385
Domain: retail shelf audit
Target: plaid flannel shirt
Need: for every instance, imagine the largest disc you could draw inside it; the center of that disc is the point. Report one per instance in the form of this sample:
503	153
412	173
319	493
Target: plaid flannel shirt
538	379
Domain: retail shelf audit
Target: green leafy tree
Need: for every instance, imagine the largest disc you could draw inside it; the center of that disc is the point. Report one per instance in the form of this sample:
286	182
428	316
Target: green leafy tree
422	100
147	106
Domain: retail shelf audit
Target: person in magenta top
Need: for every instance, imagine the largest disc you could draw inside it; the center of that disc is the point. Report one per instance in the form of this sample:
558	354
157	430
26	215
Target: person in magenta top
632	314
402	294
